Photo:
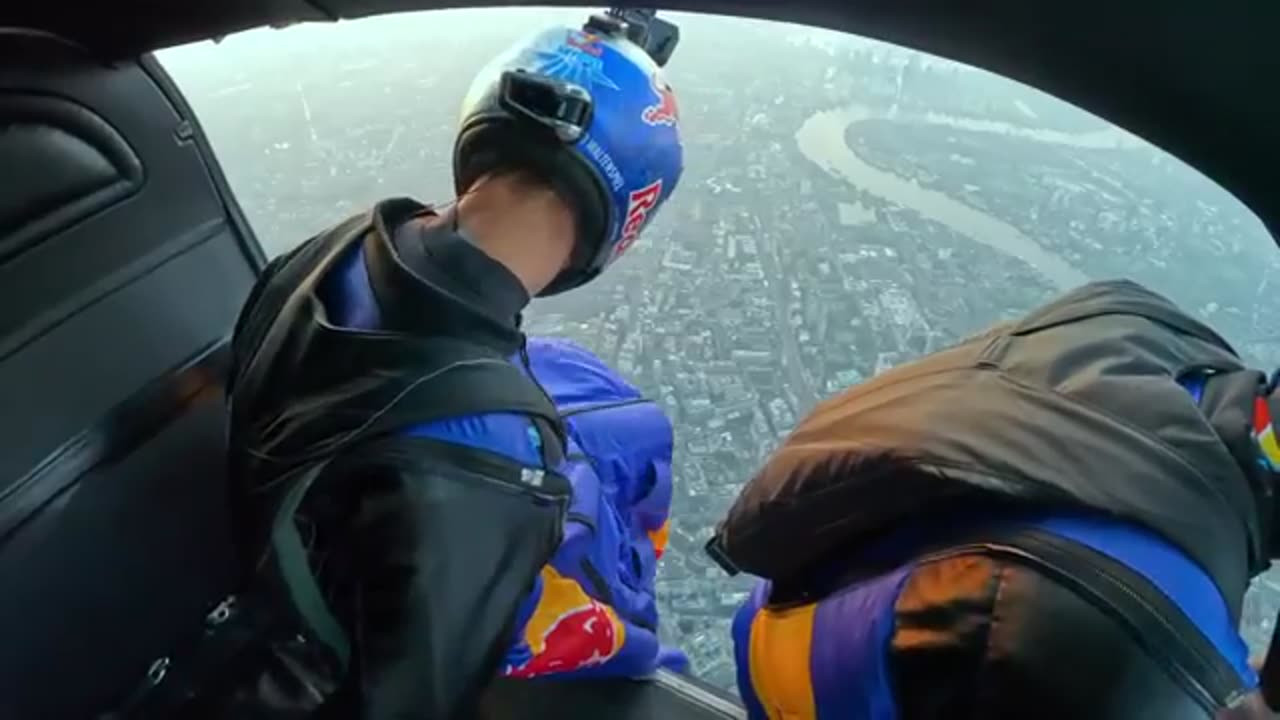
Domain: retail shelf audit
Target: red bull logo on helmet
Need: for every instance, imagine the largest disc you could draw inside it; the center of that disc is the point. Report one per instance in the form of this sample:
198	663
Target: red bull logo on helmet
576	57
569	630
639	204
664	112
586	42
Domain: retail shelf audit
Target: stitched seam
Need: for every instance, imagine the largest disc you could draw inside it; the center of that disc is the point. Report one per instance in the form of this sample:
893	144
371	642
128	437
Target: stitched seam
605	405
981	678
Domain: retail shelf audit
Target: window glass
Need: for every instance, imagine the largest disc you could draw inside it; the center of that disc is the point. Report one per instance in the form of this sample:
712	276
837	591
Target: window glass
847	205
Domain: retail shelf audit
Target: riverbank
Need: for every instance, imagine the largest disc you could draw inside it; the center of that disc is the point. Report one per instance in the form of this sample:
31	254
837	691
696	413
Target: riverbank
822	140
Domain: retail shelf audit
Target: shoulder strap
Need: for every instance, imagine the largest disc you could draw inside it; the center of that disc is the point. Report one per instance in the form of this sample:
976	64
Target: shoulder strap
463	382
413	380
1155	622
289	565
466	379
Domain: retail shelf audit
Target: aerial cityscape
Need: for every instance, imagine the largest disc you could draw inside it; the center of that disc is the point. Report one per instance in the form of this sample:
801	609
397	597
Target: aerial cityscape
846	206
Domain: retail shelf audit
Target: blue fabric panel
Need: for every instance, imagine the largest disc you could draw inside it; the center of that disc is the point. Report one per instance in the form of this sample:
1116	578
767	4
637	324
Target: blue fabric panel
507	434
1170	570
849	662
347	295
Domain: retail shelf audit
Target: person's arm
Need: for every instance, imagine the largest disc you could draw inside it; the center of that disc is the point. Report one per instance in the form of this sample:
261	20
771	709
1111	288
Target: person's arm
436	563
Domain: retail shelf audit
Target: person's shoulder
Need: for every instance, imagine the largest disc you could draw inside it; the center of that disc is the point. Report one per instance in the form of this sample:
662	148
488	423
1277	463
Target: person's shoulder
572	373
564	350
386	215
396	211
510	435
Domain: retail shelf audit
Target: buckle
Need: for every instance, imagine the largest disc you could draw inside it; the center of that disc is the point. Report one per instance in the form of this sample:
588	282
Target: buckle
716	551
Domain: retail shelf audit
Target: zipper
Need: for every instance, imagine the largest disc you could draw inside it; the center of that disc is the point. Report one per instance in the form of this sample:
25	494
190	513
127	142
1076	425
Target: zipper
528	368
550	459
482	465
1156	623
605	405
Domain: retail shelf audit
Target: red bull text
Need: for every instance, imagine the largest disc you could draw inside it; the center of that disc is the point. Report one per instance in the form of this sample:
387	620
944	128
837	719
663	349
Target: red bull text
639	204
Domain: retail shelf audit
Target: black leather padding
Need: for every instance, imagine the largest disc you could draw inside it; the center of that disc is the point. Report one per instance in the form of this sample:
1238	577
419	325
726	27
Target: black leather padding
84	166
123	263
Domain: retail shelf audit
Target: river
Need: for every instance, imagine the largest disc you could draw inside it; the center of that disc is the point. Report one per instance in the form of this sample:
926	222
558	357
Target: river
822	140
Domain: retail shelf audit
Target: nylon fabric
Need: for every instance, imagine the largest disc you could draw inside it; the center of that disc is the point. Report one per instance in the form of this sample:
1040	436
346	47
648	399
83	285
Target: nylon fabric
430	624
625	486
849	660
826	660
780	657
567	630
575	376
347	294
839	671
1170	570
596	614
847	648
1076	405
348	297
507	434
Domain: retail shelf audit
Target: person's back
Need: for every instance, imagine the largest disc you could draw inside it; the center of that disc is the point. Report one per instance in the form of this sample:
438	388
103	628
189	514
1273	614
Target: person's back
398	477
1056	519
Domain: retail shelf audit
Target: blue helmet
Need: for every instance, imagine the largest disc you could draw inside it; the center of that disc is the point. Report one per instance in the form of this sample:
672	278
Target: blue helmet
589	112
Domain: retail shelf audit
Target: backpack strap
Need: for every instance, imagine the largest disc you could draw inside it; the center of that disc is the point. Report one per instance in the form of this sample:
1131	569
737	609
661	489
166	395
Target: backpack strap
468	379
1154	622
465	380
460	384
288	566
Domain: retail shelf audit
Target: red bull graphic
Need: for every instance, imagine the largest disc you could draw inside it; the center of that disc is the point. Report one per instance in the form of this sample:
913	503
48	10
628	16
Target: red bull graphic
586	42
569	630
639	204
577	58
664	112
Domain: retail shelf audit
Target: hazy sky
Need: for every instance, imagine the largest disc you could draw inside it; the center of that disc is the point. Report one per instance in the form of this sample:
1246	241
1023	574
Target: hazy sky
427	58
479	24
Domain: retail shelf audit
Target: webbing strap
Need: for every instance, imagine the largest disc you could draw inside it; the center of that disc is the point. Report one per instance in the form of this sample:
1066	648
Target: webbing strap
475	386
289	555
1157	623
481	386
